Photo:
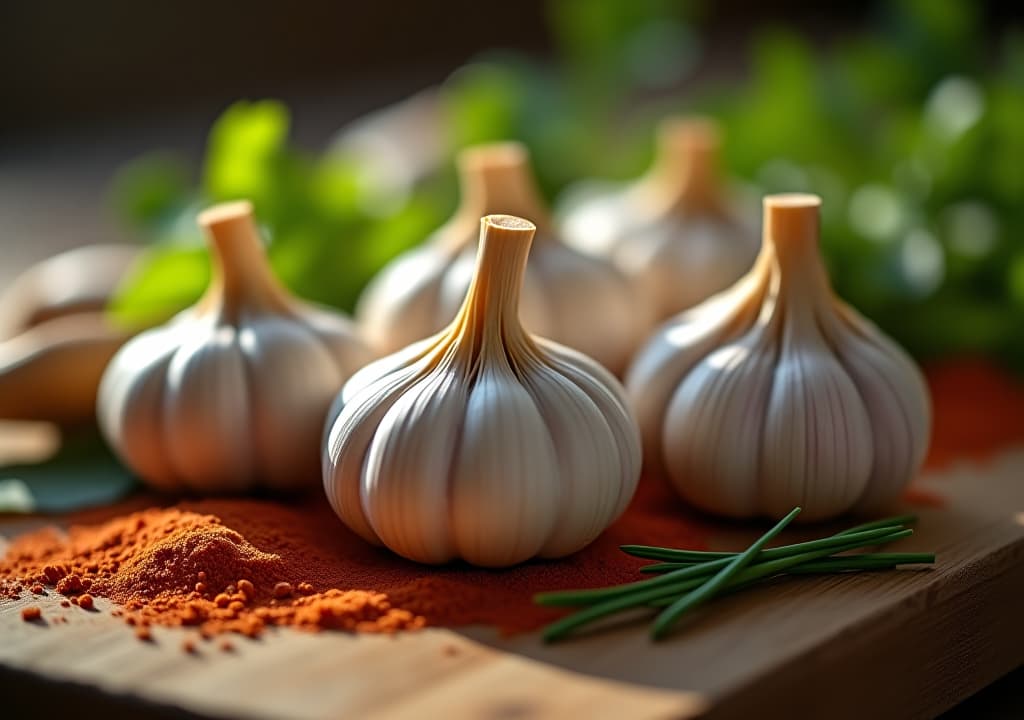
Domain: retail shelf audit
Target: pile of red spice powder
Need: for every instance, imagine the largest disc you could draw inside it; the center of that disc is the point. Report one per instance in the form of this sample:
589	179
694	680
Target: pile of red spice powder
240	565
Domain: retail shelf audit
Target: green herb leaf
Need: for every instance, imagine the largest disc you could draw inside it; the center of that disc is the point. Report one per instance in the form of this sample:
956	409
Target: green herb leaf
83	473
167	279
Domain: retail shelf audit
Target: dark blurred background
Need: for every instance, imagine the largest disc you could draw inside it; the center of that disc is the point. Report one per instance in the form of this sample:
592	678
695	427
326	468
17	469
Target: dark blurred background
68	64
87	87
71	63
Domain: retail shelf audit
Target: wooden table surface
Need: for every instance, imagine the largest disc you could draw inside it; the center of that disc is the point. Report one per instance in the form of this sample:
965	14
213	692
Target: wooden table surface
907	644
900	644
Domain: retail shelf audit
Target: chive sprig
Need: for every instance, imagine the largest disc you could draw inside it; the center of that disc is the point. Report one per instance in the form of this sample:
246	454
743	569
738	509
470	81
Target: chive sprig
686	579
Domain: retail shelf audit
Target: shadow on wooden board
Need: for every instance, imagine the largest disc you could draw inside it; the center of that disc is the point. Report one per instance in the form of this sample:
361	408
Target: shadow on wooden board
27	695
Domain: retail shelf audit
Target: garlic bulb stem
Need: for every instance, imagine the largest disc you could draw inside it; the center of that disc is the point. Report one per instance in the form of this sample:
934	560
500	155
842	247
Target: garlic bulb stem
496	180
791	232
686	173
241	275
492	303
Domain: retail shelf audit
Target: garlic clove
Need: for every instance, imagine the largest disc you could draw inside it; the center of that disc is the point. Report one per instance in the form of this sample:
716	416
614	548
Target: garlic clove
674	351
352	420
896	399
729	388
775	393
483	442
610	399
505	483
276	348
407	469
233	392
586	443
126	398
816	438
347	439
205	397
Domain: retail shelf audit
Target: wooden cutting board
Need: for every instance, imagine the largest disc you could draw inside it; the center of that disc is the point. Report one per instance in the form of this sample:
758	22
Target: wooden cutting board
900	644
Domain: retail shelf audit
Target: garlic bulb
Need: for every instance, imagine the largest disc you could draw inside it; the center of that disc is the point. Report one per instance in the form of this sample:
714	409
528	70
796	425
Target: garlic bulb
483	442
51	371
671	231
775	393
55	340
73	282
568	297
232	392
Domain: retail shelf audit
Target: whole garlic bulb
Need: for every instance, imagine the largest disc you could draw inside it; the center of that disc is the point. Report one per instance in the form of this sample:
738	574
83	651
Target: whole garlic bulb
483	442
51	371
55	339
568	297
671	231
775	393
233	391
74	282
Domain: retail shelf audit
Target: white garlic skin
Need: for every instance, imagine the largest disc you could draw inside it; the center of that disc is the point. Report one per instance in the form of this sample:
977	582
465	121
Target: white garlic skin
232	393
775	394
482	443
569	297
670	232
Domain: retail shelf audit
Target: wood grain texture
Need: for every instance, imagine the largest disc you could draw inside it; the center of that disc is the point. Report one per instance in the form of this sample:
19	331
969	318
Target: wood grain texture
902	644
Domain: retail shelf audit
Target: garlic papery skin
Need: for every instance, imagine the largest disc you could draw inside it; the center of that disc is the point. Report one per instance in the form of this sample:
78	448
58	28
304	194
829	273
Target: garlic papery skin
569	297
672	231
483	443
232	393
775	394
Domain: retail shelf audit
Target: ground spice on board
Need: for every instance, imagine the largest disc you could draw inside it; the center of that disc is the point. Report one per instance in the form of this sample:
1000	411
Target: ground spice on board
240	565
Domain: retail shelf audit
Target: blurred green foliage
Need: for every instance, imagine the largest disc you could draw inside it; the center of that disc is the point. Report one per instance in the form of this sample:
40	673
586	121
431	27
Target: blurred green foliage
911	132
326	243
